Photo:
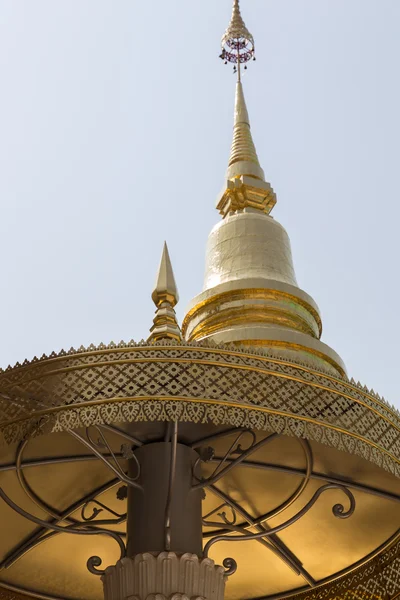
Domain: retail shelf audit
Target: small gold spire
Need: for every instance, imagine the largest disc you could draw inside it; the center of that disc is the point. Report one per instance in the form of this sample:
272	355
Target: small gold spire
245	179
165	288
165	297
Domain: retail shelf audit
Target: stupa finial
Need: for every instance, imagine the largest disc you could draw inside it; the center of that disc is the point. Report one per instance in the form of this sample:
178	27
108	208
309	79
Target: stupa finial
165	297
237	42
246	185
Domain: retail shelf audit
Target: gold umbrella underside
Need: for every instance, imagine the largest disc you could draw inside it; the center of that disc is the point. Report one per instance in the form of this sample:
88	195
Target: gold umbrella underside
299	431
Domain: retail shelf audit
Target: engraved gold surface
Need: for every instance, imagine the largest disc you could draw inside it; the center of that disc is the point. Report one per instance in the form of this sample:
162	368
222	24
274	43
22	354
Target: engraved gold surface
196	382
298	348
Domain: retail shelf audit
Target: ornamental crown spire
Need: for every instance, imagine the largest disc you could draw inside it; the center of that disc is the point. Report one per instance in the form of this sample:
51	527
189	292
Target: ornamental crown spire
237	41
246	185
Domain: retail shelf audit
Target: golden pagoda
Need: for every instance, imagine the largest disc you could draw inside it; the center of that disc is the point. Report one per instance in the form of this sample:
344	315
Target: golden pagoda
230	457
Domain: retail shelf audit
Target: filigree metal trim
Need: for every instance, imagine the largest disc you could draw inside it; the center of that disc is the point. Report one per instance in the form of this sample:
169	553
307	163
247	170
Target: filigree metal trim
196	383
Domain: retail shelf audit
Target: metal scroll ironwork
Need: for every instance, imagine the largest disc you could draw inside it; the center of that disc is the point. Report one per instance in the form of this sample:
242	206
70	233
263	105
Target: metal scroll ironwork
119	518
45	507
94	561
235	448
97	447
91	507
338	511
264	534
222	514
272	542
90	524
235	523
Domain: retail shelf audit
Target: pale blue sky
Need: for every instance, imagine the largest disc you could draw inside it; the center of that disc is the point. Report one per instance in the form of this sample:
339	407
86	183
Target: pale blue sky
116	120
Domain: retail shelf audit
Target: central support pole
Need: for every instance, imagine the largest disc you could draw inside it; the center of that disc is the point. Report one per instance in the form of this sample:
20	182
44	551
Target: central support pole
166	516
164	526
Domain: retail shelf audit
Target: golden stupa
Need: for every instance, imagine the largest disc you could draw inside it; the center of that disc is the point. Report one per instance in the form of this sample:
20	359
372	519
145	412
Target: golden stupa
228	457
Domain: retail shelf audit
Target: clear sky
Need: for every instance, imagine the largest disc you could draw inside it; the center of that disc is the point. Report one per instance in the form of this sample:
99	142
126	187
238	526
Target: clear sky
115	128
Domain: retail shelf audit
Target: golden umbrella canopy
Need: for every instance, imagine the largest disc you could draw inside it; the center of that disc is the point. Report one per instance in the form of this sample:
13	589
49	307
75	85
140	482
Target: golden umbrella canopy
299	431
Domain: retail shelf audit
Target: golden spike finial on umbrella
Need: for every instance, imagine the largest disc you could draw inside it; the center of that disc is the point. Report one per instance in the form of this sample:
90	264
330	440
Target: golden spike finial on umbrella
165	297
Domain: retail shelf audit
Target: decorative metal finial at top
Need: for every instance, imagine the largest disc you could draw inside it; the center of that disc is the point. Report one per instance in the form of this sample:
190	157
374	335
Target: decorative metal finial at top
245	179
237	42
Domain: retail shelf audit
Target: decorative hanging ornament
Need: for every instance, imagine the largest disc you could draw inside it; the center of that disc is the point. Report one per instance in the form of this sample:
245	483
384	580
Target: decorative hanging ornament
237	42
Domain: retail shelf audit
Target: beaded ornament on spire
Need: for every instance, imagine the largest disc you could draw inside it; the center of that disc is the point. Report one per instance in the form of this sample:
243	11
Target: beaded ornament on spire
246	185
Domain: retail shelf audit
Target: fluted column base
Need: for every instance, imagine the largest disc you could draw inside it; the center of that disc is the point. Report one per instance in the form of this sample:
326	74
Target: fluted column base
165	576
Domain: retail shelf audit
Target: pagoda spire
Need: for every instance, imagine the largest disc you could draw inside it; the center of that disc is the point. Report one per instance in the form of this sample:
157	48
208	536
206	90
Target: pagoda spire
243	150
165	297
238	48
246	185
250	294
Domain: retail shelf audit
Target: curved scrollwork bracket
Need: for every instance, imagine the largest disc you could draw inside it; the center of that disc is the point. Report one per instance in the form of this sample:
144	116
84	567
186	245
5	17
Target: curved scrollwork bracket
94	561
222	514
230	565
120	518
96	448
235	448
338	510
